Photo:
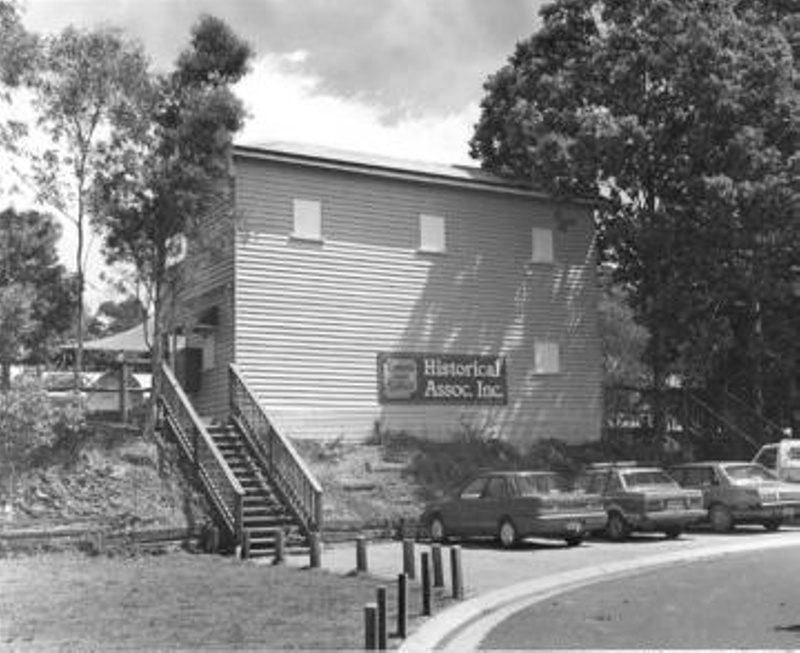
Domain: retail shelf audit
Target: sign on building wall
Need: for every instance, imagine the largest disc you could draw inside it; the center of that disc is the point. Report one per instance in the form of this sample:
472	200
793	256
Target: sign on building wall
441	378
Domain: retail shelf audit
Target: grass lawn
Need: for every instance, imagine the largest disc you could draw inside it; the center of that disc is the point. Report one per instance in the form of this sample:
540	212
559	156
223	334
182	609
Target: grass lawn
70	601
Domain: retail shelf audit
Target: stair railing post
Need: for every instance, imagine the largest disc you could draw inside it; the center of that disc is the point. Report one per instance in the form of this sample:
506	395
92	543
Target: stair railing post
196	448
240	521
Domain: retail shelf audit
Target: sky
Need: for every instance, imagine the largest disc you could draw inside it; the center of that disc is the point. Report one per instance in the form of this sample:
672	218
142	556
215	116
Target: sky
399	78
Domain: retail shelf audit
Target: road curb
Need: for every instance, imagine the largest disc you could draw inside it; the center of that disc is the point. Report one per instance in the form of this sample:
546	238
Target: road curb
463	626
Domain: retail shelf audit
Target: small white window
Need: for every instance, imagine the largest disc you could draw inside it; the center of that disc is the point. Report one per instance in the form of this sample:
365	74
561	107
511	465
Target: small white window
546	357
431	233
307	220
542	245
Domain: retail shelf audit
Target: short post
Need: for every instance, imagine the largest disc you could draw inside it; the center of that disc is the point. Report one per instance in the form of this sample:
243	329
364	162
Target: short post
123	389
456	572
361	554
370	627
280	548
244	548
402	606
314	552
408	559
99	543
383	635
212	540
438	570
426	584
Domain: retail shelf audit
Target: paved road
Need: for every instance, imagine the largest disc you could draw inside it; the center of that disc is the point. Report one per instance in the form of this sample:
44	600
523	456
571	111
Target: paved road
740	601
488	568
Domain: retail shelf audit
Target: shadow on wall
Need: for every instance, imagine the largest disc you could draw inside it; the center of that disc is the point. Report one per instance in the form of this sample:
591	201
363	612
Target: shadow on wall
498	303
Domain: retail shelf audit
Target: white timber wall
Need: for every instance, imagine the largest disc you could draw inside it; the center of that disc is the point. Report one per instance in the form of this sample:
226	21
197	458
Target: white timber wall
311	317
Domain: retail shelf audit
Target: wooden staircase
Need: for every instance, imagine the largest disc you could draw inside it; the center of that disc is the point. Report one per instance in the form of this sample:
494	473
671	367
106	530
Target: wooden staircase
264	514
256	483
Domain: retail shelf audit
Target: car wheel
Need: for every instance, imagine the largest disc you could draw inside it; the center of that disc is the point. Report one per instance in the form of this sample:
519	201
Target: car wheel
575	540
772	524
720	518
436	529
673	533
616	528
507	534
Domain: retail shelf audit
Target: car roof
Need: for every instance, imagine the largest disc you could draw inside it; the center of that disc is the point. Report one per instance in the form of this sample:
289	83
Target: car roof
516	472
708	463
625	468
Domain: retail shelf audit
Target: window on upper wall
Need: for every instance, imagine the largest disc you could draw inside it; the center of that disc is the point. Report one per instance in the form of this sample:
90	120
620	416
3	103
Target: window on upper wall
431	233
542	245
307	220
546	357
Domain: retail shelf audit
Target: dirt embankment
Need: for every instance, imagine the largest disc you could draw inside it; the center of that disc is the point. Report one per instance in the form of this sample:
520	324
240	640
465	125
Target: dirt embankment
108	477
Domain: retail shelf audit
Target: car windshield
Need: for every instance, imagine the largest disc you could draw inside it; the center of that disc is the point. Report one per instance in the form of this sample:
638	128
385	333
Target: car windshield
533	484
647	477
748	473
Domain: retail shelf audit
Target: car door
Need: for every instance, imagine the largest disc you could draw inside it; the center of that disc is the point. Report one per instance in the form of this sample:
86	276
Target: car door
467	510
493	505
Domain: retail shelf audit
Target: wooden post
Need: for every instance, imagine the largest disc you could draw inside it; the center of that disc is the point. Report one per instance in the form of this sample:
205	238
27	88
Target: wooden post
123	388
370	627
456	572
438	571
245	552
280	548
402	606
315	554
361	554
383	635
425	572
408	559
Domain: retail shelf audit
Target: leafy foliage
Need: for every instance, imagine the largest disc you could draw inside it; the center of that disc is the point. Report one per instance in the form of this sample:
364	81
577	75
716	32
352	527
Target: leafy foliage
170	171
29	420
87	88
35	290
683	115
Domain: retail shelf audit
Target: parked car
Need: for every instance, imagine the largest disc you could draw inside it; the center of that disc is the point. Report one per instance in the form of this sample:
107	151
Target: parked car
511	506
641	499
782	458
740	493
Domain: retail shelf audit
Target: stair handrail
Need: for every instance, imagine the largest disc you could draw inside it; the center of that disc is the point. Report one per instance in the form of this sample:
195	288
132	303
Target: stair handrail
767	425
693	401
284	465
216	477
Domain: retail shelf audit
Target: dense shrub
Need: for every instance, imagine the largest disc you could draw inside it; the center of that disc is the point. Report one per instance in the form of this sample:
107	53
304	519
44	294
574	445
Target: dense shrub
31	421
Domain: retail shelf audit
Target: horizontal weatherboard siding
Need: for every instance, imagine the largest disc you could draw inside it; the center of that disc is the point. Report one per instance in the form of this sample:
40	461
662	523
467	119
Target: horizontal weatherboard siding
311	317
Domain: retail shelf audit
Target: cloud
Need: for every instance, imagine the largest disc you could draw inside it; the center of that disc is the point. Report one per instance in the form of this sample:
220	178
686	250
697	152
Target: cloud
407	57
287	104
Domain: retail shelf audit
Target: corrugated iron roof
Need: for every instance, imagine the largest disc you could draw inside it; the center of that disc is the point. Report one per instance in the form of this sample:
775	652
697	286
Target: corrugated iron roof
320	156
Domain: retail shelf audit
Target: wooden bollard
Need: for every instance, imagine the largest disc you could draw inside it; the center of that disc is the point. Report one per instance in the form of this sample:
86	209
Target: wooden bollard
314	552
425	573
383	634
408	559
402	606
361	554
280	548
438	570
456	572
370	627
99	543
244	547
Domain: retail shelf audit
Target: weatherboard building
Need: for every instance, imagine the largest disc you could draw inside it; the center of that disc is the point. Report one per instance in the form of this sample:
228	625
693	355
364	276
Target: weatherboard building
353	290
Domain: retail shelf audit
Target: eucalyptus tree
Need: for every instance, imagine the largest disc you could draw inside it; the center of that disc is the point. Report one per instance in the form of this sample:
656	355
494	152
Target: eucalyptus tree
88	87
682	117
158	184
